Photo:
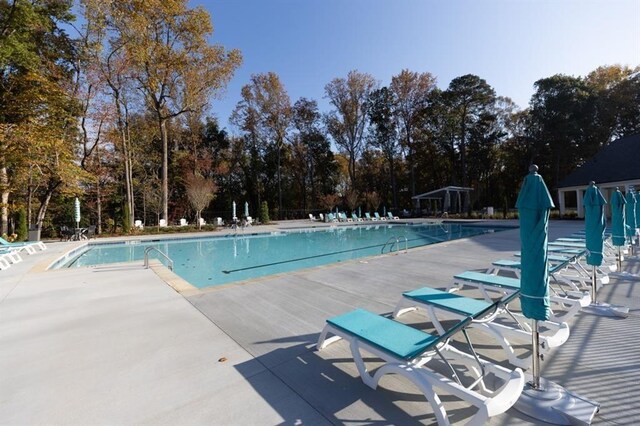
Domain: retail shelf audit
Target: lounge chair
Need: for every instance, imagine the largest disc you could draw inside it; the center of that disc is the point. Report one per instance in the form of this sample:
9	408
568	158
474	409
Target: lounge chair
138	224
344	218
368	216
201	221
355	217
391	216
488	283
11	255
331	217
248	221
378	217
4	263
440	305
29	246
183	222
312	218
565	271
321	216
162	223
406	351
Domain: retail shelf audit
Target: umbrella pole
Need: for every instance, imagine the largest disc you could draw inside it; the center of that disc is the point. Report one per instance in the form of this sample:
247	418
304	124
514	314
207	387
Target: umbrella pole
593	286
619	259
535	367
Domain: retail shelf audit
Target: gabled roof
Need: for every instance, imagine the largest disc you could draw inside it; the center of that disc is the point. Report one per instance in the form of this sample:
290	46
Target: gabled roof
617	162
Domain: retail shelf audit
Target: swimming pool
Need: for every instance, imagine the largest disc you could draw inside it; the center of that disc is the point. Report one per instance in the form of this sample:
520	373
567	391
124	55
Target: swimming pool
205	262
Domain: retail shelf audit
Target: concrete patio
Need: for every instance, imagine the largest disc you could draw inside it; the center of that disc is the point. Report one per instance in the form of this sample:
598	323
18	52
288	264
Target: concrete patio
116	344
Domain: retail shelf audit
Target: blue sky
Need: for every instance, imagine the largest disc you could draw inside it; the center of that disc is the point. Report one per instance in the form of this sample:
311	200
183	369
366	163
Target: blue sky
509	43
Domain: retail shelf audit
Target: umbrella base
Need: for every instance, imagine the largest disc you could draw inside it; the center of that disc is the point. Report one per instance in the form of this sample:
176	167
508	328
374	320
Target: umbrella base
553	404
606	310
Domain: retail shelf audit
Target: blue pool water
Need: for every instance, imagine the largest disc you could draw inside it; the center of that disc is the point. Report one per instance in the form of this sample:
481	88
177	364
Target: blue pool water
205	262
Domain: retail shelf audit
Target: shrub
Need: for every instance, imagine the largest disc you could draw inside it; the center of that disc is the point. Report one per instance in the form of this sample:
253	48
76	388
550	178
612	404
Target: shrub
21	224
264	212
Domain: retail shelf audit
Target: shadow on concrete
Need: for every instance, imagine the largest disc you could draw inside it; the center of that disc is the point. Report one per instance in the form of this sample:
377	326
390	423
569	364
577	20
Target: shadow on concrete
328	381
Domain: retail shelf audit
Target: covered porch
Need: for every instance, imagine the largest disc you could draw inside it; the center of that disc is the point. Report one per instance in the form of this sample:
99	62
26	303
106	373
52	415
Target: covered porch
572	197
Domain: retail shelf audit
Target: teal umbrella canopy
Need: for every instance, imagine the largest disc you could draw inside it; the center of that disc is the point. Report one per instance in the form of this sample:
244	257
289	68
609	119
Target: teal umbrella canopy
637	210
534	203
594	224
630	214
617	218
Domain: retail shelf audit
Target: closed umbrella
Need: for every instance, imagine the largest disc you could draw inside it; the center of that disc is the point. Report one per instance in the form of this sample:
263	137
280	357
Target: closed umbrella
77	212
233	211
617	223
630	217
637	215
541	399
595	224
246	209
533	204
637	210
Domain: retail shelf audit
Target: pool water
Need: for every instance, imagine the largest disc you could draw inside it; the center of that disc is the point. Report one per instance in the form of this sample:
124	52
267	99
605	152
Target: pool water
205	262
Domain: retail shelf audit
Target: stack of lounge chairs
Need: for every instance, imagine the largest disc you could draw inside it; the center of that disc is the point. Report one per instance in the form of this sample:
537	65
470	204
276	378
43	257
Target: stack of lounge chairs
410	351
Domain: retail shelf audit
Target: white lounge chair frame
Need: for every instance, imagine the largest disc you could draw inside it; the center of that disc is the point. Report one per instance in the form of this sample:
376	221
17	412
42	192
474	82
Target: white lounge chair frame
489	403
560	276
569	305
554	335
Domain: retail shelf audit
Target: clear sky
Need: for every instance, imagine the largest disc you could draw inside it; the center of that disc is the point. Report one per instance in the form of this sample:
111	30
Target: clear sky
509	43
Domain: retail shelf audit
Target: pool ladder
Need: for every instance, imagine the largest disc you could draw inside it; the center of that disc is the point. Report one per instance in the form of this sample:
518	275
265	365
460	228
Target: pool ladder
396	241
146	257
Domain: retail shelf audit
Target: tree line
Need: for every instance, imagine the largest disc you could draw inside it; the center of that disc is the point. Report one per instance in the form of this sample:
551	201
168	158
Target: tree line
116	111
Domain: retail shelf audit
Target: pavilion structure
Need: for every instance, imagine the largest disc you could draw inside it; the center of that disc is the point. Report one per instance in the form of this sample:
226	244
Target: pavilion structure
449	199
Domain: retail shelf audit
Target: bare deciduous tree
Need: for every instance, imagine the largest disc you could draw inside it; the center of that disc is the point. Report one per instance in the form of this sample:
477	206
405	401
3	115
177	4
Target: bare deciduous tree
201	192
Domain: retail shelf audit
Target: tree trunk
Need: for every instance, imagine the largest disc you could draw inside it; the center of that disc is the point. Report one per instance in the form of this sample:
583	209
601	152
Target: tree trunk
279	185
99	207
44	203
127	174
394	192
165	168
4	207
123	128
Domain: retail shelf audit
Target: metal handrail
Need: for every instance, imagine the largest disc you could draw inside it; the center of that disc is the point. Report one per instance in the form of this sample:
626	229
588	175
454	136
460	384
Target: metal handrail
396	241
391	240
406	243
146	257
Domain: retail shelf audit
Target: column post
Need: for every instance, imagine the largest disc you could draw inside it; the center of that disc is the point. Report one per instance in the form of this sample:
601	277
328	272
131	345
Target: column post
561	205
580	202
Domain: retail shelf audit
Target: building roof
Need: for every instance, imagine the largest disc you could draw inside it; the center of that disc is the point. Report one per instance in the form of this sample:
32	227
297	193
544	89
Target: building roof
619	161
440	193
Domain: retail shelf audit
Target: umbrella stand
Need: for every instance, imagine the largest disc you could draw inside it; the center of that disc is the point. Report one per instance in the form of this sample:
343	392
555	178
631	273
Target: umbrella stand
603	309
619	259
535	356
549	402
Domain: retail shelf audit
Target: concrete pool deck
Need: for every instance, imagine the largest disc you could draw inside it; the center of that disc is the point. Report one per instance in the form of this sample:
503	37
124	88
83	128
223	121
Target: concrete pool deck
116	344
